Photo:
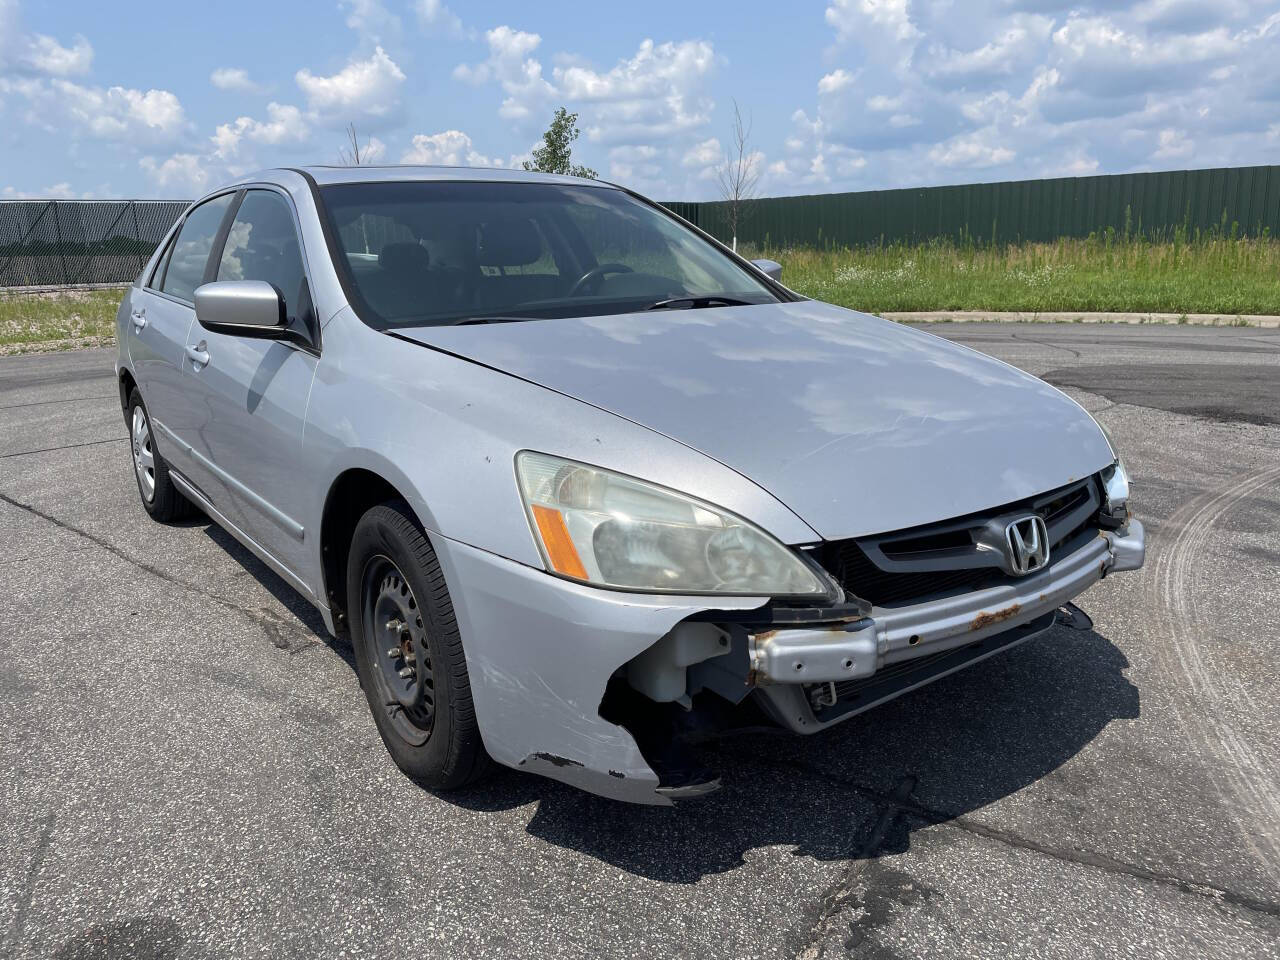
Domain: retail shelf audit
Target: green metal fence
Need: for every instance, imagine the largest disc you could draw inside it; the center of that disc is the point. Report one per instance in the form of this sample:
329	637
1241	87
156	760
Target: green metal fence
1241	199
61	243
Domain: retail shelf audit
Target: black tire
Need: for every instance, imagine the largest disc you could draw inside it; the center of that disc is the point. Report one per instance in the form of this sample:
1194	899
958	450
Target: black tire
426	718
163	501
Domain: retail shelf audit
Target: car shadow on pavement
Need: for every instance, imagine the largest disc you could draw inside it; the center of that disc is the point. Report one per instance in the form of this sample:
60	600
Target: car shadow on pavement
941	752
308	616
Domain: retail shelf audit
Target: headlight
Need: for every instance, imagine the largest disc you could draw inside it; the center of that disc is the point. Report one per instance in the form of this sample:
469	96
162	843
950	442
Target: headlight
1115	486
615	531
1115	493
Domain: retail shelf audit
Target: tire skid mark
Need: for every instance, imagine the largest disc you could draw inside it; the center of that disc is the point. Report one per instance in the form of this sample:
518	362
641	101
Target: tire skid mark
1250	791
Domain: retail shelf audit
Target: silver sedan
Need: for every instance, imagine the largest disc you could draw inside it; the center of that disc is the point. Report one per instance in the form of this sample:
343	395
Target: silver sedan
579	484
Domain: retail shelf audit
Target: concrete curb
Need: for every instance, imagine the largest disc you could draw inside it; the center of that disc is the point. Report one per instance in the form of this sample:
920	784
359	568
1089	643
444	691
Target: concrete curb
984	316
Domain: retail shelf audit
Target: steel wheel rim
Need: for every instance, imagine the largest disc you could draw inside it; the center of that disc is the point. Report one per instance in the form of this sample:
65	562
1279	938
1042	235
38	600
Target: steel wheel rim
396	647
144	456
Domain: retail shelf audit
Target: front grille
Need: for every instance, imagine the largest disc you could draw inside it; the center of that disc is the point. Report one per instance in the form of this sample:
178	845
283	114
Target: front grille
1068	512
853	569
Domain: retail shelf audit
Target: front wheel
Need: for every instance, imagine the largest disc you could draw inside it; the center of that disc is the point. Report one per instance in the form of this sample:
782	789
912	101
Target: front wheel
409	652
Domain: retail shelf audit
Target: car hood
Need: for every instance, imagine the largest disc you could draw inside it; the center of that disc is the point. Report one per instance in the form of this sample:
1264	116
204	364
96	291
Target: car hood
858	424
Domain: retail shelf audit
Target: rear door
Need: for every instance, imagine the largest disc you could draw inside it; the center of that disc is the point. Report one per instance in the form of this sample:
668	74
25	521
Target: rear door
251	394
161	314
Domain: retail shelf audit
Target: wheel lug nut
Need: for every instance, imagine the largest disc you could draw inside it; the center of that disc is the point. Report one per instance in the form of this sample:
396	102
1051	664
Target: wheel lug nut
393	652
406	672
395	624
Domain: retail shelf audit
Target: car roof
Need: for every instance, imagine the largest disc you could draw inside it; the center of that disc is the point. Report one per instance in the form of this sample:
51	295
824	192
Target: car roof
325	175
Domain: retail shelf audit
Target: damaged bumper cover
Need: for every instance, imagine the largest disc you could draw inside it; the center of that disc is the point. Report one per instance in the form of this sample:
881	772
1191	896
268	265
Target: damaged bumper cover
540	651
782	660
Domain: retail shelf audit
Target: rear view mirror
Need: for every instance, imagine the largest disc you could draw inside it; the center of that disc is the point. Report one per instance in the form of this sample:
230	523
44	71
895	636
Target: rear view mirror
770	268
249	308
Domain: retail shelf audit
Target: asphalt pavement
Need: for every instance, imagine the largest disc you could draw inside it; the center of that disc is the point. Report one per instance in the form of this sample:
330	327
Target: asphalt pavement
188	768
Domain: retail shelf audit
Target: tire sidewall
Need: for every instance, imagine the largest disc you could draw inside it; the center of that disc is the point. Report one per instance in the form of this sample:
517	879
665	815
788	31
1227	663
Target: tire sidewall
161	470
376	536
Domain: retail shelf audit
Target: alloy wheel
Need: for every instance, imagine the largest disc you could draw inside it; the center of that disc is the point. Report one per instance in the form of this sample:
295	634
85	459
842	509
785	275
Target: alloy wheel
144	456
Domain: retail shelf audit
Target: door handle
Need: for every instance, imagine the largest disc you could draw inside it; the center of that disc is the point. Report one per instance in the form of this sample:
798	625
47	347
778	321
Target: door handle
197	355
139	320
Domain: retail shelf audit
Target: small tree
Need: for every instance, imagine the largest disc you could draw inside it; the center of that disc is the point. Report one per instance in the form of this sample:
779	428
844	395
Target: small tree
738	173
554	156
350	154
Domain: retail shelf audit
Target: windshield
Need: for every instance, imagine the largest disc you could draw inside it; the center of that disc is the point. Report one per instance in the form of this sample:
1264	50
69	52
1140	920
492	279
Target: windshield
425	254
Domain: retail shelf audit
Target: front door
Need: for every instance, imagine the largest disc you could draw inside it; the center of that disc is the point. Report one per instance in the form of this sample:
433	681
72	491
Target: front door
252	393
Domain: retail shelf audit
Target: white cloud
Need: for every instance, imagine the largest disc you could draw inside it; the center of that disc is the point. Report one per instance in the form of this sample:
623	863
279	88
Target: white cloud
632	163
450	148
38	53
365	92
234	78
285	124
105	113
655	93
970	152
45	55
184	174
836	80
511	66
850	18
372	20
1173	143
434	14
708	153
56	191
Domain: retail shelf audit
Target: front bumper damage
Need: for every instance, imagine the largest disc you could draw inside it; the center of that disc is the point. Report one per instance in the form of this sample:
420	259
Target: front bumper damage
979	623
541	651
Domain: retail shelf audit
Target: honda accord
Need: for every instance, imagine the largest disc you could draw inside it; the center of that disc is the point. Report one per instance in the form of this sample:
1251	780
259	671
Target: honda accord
578	483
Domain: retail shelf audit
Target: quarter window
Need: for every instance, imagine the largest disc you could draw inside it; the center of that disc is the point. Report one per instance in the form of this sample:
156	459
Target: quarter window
190	253
262	244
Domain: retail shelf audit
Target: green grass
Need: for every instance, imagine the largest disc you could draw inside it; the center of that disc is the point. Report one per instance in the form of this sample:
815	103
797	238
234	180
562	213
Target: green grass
1219	275
31	319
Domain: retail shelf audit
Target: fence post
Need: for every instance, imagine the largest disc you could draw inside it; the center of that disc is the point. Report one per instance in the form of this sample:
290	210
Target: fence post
62	253
137	234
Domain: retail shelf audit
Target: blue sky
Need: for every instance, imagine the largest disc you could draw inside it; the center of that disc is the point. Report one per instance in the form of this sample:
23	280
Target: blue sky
167	100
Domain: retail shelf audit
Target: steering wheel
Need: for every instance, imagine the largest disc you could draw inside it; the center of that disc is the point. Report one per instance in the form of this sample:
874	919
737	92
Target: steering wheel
596	274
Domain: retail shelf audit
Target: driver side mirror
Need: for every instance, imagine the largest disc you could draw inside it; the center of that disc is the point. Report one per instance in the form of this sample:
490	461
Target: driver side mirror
247	308
770	268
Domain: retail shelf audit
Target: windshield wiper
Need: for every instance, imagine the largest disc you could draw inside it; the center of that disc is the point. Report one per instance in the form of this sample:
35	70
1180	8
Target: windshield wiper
470	320
698	302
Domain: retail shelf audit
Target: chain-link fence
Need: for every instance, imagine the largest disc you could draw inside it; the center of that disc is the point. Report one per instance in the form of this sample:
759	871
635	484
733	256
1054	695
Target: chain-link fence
62	243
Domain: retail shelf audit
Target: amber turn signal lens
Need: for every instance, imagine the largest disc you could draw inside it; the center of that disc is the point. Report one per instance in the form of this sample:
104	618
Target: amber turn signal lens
555	538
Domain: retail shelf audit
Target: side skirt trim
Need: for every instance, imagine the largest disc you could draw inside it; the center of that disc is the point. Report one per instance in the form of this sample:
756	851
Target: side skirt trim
190	491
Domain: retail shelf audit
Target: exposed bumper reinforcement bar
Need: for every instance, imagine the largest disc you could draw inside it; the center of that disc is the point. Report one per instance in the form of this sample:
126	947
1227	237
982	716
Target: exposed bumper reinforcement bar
854	650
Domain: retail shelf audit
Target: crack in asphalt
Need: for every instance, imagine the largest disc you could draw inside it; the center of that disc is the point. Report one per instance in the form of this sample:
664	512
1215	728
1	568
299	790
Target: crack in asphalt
19	921
42	403
69	446
1077	856
1045	343
275	627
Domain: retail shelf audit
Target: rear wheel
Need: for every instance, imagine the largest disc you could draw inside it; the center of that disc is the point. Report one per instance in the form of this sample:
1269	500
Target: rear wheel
409	652
160	498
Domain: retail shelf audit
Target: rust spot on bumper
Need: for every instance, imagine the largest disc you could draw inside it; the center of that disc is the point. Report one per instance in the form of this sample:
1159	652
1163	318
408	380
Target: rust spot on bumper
986	619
